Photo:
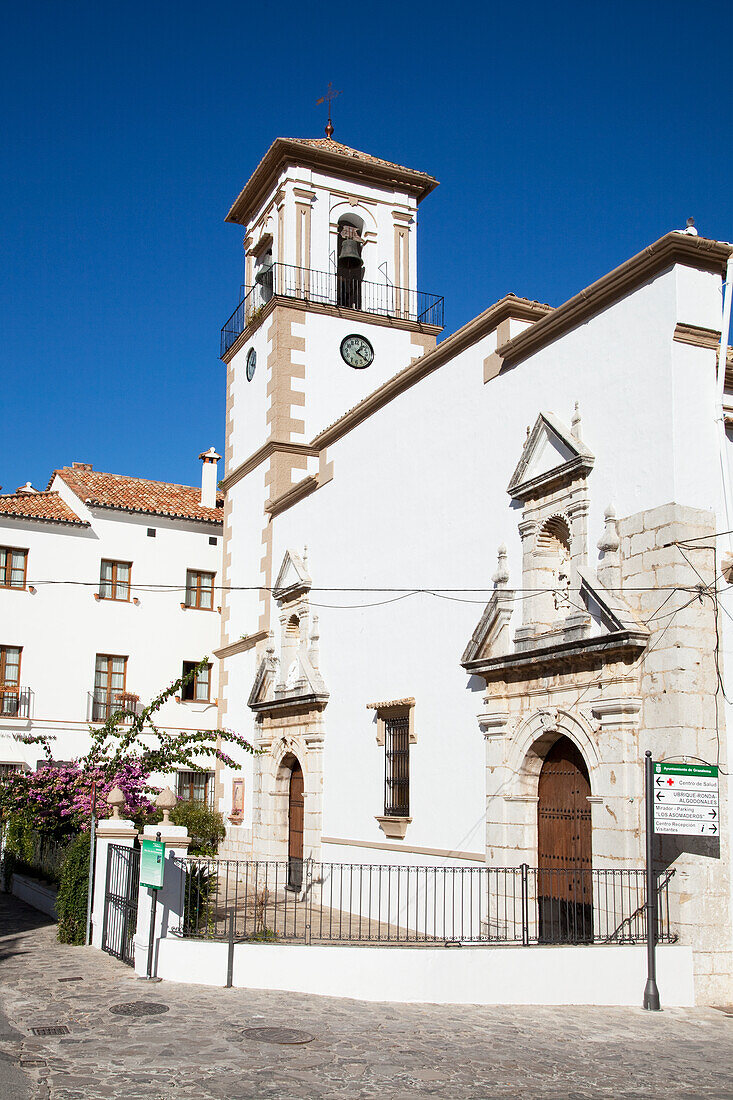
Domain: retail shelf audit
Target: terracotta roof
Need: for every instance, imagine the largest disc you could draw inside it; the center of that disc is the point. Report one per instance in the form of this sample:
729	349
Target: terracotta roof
39	506
328	145
323	153
137	494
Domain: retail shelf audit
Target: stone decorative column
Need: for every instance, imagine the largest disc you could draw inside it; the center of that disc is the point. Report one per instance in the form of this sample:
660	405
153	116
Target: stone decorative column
169	904
112	830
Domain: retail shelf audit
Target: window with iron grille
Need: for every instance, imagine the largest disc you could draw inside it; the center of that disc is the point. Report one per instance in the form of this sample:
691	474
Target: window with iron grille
200	589
198	688
9	679
114	580
397	766
12	567
196	787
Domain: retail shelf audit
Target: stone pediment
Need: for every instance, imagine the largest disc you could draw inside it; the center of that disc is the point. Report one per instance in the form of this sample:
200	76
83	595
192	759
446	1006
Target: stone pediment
552	455
615	626
491	637
293	578
303	684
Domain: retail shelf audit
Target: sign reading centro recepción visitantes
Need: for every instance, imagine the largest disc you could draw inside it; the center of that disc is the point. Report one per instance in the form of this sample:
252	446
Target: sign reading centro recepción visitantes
152	863
686	799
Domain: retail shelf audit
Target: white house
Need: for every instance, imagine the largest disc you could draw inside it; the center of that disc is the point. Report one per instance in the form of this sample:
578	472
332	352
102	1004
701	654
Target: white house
109	588
512	582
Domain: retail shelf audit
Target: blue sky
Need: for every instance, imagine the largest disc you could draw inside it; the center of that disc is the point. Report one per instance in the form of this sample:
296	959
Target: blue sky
566	137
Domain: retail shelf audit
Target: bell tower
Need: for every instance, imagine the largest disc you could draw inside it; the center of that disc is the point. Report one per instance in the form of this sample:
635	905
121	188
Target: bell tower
329	310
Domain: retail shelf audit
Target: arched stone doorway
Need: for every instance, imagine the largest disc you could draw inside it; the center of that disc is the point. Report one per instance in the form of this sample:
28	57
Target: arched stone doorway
296	810
564	847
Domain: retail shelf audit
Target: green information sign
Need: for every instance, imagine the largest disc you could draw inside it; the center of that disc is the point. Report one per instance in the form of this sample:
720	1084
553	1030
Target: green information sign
152	863
686	799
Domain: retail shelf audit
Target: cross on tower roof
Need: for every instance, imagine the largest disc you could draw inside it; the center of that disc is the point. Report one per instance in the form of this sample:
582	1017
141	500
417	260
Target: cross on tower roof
328	98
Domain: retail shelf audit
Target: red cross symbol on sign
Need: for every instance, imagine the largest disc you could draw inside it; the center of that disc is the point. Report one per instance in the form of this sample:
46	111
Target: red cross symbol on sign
670	782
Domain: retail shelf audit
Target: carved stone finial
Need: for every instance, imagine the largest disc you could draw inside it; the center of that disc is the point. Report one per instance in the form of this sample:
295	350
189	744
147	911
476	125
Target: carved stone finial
116	799
528	431
314	651
609	541
270	648
165	801
501	576
575	422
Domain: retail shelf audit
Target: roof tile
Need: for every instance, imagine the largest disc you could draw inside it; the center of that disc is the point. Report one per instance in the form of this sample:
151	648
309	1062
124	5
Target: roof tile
137	494
41	506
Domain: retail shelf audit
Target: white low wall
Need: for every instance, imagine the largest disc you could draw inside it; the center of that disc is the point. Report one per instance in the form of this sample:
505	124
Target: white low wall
602	975
38	894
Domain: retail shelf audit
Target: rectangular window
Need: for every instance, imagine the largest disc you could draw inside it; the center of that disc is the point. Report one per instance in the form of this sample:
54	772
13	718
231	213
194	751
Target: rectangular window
198	689
397	767
114	580
12	567
200	589
196	787
9	679
110	674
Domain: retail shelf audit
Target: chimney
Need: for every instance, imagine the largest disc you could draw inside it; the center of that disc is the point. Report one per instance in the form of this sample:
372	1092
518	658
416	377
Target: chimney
208	477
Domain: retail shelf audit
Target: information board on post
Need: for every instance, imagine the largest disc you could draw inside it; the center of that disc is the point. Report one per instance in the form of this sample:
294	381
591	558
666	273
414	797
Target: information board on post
685	798
152	863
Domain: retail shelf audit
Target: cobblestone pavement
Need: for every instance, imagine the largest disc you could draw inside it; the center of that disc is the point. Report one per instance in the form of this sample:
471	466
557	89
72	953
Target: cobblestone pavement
196	1050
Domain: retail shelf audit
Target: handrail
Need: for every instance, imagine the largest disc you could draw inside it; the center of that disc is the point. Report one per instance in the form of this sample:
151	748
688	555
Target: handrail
330	288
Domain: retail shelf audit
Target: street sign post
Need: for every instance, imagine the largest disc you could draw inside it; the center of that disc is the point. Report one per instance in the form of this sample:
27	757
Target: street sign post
681	799
651	993
152	867
686	799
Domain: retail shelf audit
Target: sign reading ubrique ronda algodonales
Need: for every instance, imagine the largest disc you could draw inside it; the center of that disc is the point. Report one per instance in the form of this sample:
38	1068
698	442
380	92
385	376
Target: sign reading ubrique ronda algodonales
686	799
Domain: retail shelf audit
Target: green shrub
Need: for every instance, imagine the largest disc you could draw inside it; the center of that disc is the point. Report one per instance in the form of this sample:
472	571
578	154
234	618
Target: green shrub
71	904
28	852
204	825
199	898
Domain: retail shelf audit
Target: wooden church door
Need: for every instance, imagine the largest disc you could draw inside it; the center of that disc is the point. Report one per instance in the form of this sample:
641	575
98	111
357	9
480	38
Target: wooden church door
564	886
296	808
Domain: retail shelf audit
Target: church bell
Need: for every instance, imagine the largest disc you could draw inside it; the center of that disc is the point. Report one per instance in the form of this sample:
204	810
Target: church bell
350	254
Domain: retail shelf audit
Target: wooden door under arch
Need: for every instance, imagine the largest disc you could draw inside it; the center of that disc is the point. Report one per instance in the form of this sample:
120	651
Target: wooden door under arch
296	809
564	879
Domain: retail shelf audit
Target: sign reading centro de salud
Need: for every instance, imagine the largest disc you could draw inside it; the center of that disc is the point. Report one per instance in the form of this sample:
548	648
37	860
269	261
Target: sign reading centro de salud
152	863
686	799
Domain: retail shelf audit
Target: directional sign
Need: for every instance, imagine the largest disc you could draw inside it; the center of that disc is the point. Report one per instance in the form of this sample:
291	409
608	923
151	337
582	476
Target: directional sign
686	799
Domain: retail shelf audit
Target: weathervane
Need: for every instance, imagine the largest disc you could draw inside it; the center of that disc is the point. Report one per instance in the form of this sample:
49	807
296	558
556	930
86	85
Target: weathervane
328	98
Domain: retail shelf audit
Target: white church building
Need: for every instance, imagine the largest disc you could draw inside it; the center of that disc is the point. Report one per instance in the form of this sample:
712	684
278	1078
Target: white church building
467	584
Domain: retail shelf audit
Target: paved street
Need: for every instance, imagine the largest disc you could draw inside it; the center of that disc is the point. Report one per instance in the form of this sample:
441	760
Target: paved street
197	1048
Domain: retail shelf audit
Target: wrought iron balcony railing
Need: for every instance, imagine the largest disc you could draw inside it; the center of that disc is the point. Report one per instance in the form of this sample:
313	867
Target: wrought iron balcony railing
15	702
328	288
100	706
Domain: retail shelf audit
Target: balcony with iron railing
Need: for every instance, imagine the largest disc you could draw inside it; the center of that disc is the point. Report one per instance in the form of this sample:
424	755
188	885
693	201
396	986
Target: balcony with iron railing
101	705
15	702
347	292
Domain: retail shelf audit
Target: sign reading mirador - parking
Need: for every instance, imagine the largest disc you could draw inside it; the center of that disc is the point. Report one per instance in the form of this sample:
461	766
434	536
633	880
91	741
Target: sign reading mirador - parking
686	799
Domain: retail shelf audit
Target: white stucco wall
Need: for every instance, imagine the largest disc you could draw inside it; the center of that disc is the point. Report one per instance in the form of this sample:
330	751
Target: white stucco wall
418	500
488	976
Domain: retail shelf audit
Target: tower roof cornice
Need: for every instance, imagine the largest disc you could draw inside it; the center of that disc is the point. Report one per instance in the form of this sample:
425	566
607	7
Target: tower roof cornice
325	154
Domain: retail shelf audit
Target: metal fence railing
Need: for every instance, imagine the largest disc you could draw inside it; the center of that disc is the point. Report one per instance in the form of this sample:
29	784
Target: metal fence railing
378	903
100	705
15	702
330	288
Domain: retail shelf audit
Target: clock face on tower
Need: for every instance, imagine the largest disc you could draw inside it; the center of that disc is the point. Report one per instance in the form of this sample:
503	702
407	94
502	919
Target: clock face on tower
251	364
357	351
